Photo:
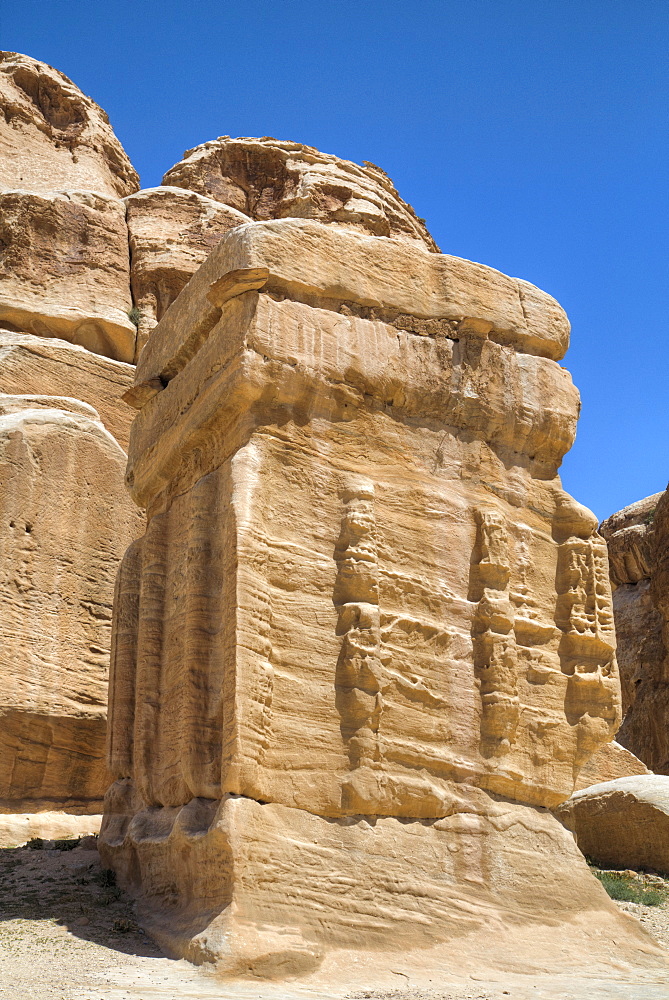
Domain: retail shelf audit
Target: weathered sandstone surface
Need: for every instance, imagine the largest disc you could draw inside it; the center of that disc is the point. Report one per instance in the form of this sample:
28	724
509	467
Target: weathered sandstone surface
363	608
622	823
51	367
65	342
16	829
637	538
64	521
54	137
172	232
274	179
65	269
609	762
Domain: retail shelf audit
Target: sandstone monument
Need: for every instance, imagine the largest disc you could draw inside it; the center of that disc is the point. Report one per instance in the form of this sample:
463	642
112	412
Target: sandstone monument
637	539
365	642
366	638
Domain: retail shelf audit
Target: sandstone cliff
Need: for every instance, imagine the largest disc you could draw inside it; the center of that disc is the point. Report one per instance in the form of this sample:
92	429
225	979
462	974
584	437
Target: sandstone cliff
66	340
53	137
637	540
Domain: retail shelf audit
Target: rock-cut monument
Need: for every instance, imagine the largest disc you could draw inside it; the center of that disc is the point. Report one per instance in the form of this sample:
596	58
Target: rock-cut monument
366	641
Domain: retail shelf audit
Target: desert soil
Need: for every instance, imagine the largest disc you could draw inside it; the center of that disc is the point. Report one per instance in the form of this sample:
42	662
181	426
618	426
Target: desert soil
68	933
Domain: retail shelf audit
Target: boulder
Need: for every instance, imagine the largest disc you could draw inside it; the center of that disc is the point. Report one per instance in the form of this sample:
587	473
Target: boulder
52	367
274	179
171	232
65	518
366	637
65	270
54	137
622	823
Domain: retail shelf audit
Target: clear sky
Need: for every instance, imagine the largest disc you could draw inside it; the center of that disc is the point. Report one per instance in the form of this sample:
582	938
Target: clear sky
531	135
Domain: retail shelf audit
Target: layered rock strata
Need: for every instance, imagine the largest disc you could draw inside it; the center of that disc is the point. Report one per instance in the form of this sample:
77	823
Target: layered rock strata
637	539
65	270
362	611
66	343
64	522
64	259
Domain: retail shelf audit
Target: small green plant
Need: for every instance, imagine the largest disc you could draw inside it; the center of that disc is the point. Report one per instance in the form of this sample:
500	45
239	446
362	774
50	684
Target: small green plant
135	315
650	516
621	887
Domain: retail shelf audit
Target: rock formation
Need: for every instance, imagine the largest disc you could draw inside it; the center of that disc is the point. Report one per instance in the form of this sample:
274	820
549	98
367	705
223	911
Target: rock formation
63	517
366	638
65	342
272	179
362	611
622	823
609	762
637	540
171	233
65	269
53	137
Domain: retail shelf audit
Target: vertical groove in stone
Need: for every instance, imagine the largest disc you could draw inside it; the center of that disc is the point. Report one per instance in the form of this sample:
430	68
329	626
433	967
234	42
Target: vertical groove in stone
200	712
123	664
149	656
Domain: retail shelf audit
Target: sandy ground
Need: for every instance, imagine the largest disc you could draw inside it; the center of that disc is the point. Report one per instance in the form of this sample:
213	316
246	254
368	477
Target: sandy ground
68	933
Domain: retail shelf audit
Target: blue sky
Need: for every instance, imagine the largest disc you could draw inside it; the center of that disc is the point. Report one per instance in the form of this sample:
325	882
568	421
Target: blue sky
531	135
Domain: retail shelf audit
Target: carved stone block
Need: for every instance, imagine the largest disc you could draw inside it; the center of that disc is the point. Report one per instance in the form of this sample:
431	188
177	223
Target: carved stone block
345	605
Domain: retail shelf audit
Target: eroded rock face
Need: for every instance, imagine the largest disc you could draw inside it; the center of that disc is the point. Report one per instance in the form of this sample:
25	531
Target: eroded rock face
51	367
364	599
273	179
609	762
636	538
172	232
65	271
64	521
53	137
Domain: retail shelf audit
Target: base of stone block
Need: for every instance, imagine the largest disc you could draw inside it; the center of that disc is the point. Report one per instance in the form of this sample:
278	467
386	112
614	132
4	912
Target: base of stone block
269	891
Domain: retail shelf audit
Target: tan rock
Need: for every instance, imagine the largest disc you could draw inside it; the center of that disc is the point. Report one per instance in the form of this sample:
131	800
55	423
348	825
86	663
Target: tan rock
622	823
364	601
53	137
609	762
64	269
273	179
51	367
171	231
272	892
16	830
635	539
629	537
64	519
